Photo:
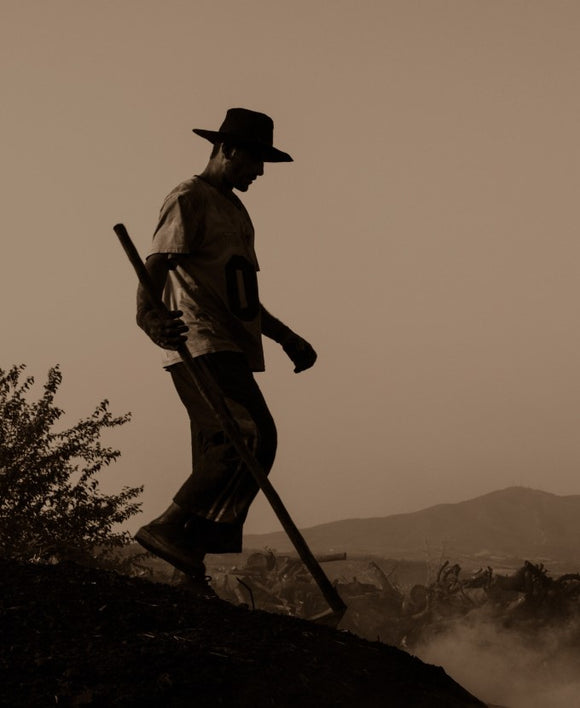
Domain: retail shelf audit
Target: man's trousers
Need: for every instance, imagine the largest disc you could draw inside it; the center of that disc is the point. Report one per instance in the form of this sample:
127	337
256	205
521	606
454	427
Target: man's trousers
220	489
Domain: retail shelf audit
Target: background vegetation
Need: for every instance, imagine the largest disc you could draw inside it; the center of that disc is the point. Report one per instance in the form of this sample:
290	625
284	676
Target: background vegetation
51	507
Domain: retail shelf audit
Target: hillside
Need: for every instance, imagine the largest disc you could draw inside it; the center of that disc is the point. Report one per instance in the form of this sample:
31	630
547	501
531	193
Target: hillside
515	523
75	636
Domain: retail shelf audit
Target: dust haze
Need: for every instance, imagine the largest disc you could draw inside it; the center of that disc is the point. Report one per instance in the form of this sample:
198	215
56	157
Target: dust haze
508	667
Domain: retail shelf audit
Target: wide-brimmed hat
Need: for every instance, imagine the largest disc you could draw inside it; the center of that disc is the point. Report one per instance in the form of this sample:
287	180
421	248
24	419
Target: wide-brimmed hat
248	129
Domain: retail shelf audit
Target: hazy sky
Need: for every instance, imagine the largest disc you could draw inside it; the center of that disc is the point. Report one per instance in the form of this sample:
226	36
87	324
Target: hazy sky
425	239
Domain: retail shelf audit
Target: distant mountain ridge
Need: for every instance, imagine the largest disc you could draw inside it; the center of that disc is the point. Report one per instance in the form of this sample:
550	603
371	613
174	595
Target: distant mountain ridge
512	523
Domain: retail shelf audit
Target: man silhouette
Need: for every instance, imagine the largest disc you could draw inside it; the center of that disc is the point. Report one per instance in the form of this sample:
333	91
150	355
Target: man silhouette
203	265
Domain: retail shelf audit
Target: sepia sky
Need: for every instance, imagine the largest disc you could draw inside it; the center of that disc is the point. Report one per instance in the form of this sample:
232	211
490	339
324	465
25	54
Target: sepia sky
425	239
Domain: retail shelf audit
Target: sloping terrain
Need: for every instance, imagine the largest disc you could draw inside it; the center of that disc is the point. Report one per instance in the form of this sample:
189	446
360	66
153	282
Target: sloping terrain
76	636
514	523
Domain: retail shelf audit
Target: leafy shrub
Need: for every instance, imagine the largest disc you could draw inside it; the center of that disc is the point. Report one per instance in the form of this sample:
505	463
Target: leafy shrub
51	507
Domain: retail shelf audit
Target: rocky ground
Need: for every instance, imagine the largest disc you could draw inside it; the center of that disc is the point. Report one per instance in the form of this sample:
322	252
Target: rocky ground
73	636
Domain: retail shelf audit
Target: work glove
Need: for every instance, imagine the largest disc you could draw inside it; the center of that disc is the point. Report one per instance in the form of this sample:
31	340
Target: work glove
299	351
166	329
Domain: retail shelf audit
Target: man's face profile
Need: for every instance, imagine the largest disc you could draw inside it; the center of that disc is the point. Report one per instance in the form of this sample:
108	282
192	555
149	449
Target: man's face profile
243	166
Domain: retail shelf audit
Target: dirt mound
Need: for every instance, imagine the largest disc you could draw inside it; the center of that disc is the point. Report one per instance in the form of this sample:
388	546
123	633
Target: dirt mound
78	636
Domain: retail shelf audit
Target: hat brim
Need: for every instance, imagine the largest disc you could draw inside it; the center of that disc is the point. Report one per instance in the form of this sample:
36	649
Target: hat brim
267	152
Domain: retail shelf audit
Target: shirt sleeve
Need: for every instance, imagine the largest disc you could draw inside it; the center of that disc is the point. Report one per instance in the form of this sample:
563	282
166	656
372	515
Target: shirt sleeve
178	226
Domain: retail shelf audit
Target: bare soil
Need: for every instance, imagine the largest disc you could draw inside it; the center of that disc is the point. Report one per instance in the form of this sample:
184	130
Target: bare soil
73	636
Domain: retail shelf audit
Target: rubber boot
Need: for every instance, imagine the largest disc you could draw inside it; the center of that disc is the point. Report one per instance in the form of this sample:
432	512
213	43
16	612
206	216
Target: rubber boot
174	514
166	538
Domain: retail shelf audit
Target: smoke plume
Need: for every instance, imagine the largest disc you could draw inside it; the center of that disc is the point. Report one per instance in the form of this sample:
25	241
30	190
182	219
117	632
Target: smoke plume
511	667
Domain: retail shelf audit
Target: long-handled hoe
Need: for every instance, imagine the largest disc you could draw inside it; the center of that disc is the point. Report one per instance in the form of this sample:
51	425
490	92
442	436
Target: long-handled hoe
213	395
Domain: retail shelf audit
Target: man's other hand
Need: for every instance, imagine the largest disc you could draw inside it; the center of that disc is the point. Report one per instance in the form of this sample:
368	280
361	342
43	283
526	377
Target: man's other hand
300	352
167	330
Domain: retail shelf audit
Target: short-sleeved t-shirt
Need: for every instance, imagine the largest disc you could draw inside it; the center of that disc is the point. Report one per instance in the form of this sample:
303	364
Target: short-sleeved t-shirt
213	277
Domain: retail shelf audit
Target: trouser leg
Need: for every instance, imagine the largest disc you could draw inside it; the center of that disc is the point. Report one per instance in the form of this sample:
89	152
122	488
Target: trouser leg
220	489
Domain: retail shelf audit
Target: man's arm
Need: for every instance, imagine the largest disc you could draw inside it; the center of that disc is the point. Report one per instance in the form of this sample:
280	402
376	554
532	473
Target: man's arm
166	330
298	349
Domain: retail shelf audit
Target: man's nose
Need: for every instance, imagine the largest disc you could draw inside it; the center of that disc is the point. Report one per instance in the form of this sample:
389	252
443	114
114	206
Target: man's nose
260	168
